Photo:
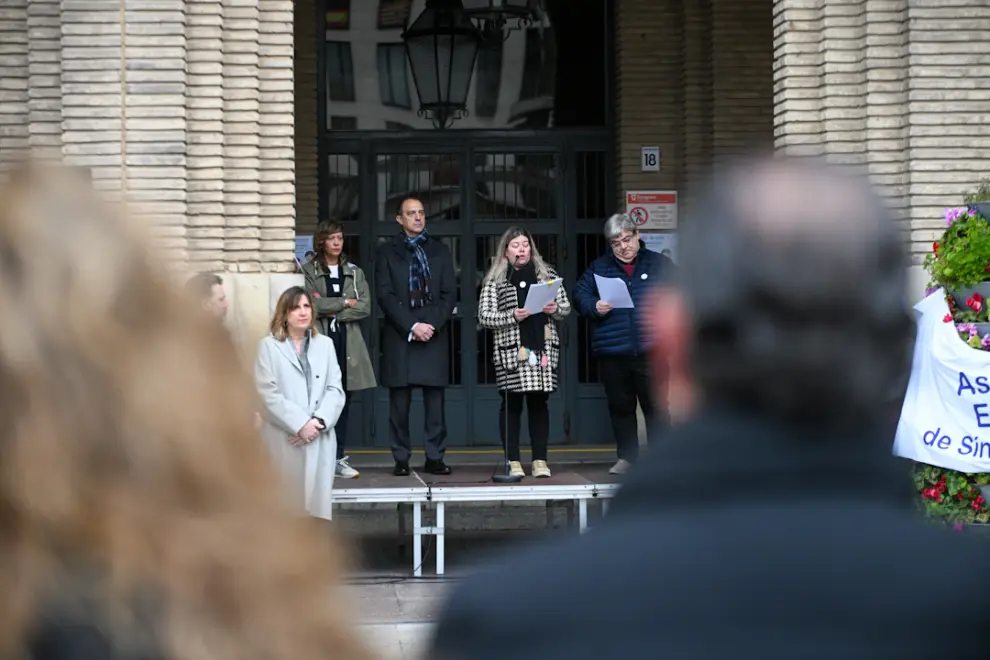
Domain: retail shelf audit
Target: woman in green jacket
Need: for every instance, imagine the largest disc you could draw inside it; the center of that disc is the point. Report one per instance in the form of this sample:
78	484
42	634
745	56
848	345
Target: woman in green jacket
341	298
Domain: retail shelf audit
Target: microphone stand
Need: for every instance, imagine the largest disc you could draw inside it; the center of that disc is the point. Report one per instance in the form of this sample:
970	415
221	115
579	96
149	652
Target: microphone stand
507	478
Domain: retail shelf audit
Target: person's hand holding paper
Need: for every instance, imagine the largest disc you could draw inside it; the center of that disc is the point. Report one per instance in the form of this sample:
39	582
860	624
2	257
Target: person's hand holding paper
614	291
540	295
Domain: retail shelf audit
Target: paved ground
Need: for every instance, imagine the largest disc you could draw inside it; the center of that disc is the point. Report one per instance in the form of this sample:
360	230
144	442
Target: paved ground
398	617
397	612
397	641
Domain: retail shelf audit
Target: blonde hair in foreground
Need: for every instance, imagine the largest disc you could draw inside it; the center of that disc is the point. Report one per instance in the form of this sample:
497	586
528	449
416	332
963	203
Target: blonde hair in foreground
131	464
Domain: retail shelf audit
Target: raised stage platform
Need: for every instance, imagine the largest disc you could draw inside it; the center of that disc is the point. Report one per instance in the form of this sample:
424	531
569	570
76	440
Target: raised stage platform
472	483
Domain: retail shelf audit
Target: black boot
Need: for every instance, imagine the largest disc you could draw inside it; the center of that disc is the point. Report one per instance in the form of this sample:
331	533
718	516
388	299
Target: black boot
436	467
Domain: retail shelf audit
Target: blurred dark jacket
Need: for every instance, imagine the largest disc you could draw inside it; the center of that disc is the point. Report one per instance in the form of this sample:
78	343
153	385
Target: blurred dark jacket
737	538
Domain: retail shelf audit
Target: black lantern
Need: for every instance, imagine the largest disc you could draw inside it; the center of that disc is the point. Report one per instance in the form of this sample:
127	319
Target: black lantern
442	45
494	16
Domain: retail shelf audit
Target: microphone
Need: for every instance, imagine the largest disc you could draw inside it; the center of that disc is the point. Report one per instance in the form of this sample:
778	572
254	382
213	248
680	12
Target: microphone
507	478
514	262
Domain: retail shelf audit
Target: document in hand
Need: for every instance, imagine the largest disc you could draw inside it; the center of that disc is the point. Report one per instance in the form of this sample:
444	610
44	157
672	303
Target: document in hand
541	294
614	291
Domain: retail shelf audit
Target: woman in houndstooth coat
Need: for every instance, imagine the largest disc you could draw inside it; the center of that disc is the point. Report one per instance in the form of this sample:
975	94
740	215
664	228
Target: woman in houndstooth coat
527	346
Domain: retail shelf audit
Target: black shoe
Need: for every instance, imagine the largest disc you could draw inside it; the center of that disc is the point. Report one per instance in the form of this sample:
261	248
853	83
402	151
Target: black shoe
436	467
401	469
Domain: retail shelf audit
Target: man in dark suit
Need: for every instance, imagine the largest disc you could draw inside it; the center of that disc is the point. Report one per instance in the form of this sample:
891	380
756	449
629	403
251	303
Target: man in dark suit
771	521
417	290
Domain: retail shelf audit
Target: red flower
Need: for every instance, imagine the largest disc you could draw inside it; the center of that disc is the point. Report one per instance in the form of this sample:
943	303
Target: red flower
959	496
979	499
975	505
987	269
940	486
935	247
977	297
947	318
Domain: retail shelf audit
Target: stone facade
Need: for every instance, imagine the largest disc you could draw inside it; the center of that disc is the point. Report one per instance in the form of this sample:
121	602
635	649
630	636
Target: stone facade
696	78
899	87
183	106
202	113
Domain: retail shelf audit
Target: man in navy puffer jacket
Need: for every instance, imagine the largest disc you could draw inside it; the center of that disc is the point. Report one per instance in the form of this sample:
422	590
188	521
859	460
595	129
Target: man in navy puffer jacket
618	339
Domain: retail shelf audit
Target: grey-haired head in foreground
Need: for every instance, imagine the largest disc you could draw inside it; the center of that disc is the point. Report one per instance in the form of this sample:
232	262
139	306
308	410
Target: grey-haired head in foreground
794	277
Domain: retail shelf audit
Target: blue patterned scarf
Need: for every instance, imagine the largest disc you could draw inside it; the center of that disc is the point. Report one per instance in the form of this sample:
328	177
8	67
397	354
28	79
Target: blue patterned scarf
420	281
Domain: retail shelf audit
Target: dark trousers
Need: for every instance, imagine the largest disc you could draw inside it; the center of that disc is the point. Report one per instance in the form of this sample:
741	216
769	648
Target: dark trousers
399	400
539	422
627	380
340	428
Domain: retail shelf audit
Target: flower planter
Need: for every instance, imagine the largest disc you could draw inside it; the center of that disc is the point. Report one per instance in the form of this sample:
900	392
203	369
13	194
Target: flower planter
983	208
963	293
973	528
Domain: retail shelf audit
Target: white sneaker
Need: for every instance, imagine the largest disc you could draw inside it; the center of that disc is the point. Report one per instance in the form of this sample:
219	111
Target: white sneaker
344	469
516	469
540	470
621	467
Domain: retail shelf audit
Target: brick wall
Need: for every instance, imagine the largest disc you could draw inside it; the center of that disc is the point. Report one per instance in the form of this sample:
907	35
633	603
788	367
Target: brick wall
187	107
307	123
898	87
694	77
14	74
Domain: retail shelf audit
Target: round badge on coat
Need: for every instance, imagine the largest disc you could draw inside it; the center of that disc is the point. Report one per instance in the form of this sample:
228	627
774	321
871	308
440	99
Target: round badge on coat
522	285
643	276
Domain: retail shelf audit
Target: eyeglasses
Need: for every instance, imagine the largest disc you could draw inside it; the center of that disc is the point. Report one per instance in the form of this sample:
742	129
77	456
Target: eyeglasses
623	242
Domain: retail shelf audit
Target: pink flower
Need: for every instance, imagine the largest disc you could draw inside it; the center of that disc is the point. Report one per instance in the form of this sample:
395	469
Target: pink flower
953	214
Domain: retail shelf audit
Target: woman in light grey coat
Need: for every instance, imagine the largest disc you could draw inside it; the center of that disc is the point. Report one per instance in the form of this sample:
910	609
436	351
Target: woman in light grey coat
299	381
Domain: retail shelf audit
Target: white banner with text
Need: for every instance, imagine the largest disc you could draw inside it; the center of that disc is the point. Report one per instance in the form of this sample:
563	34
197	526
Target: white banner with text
945	420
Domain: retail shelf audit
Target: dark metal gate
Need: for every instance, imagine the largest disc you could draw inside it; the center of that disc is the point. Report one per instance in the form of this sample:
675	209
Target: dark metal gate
474	185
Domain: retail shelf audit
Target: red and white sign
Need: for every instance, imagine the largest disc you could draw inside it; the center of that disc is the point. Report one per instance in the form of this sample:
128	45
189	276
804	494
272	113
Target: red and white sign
653	209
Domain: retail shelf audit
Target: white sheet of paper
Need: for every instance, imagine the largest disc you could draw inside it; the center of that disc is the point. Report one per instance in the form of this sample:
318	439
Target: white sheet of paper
336	288
541	294
614	291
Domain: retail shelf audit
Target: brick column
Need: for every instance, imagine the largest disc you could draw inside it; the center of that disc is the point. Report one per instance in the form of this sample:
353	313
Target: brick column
897	87
204	134
742	60
648	90
92	89
155	119
696	78
696	114
307	123
276	125
14	74
241	189
44	29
